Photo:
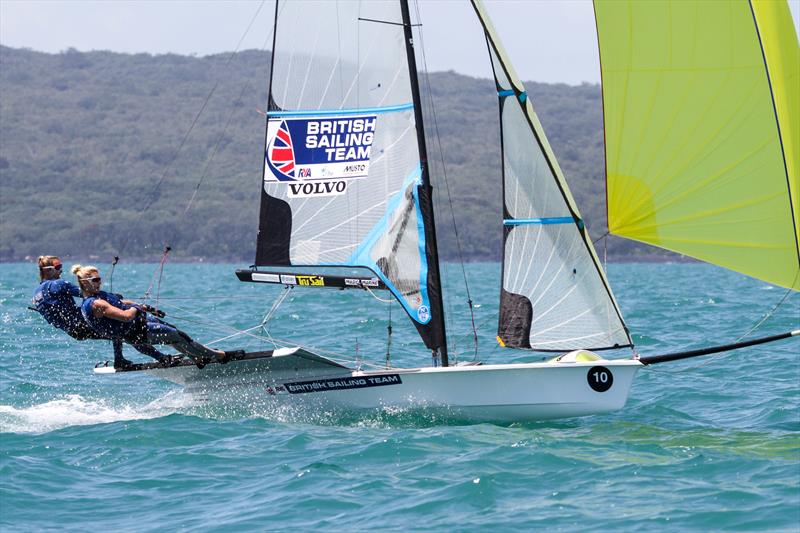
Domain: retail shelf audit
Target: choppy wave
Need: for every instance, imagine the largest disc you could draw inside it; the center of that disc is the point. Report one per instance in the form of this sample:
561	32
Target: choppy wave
702	445
75	410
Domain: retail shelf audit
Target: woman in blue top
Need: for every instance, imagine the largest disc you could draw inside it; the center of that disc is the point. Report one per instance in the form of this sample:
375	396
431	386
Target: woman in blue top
110	315
54	300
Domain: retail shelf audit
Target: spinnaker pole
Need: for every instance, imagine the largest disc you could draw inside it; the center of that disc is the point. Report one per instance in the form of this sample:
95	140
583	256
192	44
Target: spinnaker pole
653	359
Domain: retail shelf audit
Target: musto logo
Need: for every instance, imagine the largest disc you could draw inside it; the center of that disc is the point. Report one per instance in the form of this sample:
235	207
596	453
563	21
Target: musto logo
318	156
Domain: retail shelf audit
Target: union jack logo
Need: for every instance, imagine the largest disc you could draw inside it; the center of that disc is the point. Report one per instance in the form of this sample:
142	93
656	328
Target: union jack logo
281	153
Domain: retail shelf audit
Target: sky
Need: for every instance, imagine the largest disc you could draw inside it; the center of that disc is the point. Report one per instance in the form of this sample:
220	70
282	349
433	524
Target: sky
547	40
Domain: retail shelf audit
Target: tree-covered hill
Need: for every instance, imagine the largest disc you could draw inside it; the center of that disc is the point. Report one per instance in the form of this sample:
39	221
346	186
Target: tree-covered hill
95	159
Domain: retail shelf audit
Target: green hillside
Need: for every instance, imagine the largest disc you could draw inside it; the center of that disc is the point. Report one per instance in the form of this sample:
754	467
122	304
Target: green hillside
93	160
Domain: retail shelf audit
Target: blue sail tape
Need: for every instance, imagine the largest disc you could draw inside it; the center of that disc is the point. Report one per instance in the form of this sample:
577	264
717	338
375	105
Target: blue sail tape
361	255
546	220
336	112
510	92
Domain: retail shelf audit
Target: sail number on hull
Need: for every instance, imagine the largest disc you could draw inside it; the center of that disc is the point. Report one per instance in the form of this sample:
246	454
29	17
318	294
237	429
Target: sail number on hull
600	378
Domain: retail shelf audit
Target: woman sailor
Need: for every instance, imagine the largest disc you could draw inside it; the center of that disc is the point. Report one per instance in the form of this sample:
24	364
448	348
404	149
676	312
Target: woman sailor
54	300
110	315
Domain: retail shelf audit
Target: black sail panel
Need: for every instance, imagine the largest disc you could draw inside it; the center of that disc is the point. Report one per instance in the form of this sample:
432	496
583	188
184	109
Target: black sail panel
274	231
516	314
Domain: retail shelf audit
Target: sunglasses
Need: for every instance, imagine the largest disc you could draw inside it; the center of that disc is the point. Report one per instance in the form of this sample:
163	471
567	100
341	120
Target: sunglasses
53	267
97	279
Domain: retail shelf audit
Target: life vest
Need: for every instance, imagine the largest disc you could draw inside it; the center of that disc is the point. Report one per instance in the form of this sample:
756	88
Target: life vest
134	332
53	299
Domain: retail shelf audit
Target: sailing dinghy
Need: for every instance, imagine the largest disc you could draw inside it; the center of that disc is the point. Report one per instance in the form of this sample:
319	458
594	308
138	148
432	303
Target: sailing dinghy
702	159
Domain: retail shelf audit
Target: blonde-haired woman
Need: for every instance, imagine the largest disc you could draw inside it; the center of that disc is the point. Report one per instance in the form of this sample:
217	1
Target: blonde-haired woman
54	300
110	315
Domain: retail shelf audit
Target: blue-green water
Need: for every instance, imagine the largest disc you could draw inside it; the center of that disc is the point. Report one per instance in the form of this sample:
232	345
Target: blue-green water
705	444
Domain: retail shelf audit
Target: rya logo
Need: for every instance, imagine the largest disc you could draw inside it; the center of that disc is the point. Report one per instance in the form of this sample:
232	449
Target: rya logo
423	313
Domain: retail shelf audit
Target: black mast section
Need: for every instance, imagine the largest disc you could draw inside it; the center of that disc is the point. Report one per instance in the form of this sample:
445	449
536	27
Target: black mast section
437	309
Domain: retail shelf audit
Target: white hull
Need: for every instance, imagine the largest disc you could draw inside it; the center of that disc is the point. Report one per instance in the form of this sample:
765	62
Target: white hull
508	393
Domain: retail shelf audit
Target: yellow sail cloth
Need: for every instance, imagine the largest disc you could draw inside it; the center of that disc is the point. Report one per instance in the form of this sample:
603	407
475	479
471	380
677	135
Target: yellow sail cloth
701	104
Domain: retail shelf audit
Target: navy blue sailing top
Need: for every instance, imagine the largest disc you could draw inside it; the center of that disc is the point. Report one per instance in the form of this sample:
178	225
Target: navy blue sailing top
53	298
104	325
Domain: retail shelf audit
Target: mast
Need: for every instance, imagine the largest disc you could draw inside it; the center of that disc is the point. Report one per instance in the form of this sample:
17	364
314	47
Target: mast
431	248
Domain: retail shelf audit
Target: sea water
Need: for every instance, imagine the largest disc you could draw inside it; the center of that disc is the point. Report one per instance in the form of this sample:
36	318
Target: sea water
704	444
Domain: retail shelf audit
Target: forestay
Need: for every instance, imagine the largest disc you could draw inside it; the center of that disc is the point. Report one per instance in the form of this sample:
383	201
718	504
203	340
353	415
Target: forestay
342	171
555	295
701	103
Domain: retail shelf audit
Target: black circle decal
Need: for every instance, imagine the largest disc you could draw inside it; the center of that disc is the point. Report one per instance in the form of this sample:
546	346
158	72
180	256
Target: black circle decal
600	378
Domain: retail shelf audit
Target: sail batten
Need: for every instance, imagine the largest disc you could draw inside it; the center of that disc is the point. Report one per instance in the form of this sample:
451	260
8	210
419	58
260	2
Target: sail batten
701	105
554	292
542	220
321	112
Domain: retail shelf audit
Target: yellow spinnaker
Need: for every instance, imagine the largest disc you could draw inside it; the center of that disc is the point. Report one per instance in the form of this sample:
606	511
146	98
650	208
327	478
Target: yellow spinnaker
701	103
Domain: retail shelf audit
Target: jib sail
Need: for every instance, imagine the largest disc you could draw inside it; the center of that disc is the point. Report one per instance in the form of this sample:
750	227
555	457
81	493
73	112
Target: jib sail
555	295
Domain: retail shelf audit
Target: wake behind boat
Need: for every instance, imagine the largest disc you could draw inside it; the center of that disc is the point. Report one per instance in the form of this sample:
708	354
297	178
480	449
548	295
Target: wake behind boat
346	186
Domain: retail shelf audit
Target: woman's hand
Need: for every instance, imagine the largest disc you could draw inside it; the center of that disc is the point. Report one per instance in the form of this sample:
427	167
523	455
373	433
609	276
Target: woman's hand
153	311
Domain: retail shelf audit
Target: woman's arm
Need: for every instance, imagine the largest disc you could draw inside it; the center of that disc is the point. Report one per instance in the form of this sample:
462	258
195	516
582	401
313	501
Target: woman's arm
71	289
147	308
101	308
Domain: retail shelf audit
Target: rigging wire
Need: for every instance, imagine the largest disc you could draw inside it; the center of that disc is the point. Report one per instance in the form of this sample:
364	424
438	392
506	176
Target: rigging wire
339	357
159	273
603	236
772	311
205	298
447	183
151	198
753	328
744	335
275	305
389	340
389	301
203	176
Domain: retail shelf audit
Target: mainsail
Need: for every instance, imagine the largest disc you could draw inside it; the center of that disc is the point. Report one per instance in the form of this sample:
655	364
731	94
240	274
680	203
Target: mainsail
344	180
701	105
555	295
